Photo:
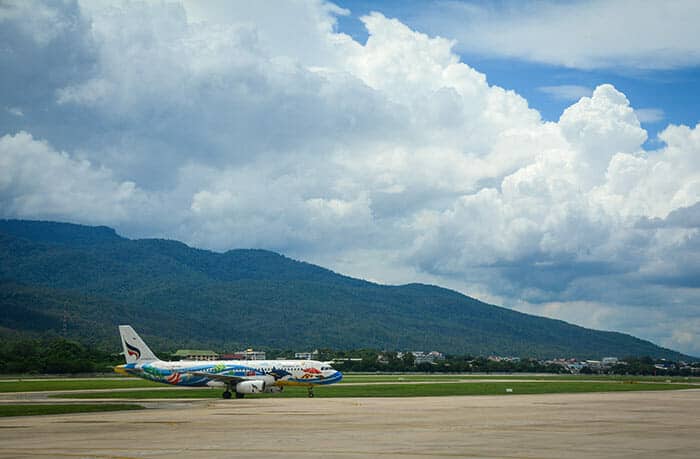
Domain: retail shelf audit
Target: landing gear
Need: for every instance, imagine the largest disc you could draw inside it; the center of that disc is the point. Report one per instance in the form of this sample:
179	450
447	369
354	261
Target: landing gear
239	395
311	391
227	392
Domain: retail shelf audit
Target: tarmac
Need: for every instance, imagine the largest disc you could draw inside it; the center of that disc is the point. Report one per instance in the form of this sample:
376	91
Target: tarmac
591	425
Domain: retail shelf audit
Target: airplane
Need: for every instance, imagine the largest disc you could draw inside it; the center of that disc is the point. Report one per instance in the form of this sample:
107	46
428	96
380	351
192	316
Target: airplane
239	377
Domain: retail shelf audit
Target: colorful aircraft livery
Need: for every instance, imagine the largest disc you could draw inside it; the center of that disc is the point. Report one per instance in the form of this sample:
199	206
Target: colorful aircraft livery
238	377
131	350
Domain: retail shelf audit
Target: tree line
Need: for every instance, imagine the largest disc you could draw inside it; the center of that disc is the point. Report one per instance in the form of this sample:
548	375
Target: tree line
53	356
56	355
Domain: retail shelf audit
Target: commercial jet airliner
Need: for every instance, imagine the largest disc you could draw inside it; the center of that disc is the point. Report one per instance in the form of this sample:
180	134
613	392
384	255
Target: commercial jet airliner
237	376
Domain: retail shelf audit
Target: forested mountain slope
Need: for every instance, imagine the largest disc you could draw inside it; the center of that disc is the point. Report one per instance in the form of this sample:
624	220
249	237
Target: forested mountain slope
178	296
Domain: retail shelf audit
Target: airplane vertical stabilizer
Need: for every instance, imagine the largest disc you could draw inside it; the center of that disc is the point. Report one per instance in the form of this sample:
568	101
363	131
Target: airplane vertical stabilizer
135	350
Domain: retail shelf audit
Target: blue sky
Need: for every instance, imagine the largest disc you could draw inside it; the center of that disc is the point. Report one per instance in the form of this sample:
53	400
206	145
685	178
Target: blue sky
540	155
671	95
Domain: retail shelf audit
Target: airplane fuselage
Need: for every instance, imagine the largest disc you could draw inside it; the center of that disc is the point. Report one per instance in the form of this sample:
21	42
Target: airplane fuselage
274	372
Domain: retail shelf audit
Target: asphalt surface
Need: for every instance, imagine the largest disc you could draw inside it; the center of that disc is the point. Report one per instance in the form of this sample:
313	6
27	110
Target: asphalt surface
592	425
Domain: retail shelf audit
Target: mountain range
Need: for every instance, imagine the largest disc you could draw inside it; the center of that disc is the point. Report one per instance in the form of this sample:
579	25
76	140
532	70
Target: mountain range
83	281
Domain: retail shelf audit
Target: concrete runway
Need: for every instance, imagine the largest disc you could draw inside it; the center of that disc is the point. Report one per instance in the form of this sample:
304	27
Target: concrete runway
594	425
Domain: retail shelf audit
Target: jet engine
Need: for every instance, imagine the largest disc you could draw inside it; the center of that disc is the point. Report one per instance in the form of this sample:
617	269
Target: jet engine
250	387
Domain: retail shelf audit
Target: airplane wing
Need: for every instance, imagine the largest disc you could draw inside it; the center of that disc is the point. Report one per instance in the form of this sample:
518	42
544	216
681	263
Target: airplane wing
218	377
275	375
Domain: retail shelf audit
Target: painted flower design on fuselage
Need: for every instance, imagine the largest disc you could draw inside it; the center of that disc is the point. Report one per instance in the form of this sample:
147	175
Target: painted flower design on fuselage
279	374
154	374
218	368
311	373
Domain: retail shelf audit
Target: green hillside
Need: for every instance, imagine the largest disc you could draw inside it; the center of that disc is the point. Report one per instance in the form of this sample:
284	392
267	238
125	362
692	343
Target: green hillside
177	296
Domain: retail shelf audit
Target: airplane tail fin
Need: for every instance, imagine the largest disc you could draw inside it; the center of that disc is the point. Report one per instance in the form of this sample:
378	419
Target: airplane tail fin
135	350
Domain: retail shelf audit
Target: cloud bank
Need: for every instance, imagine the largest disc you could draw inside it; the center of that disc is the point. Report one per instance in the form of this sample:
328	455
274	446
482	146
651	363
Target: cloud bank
391	160
581	34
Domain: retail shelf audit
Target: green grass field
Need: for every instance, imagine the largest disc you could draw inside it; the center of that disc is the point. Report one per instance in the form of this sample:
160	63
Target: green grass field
31	385
34	385
407	390
371	377
37	410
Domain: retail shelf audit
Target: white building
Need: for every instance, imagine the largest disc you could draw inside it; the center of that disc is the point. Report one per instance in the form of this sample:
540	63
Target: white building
306	355
423	357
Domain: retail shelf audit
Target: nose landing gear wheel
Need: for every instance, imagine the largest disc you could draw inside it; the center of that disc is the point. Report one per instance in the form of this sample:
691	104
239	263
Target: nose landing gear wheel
311	392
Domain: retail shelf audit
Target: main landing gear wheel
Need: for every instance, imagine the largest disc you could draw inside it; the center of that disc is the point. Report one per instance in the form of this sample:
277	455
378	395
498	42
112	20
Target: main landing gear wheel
311	392
227	394
239	395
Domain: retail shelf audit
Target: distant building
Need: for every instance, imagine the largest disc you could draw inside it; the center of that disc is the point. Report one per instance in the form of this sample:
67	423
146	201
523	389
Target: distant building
497	358
250	354
609	361
575	367
306	355
234	356
195	354
340	361
423	357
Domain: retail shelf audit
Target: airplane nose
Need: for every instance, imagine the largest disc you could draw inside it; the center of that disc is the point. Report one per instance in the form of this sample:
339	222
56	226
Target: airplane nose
338	375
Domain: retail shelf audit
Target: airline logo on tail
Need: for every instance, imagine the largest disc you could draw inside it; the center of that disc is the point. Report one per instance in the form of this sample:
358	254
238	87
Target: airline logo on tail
133	350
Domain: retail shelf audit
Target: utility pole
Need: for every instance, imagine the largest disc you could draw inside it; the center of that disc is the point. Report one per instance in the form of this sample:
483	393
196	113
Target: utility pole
64	330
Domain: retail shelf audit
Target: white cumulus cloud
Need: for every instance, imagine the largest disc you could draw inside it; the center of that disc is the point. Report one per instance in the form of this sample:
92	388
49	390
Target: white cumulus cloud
40	182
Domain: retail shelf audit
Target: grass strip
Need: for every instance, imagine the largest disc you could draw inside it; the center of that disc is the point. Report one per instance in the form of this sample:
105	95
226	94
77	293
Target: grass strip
404	390
39	409
128	383
77	384
359	378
